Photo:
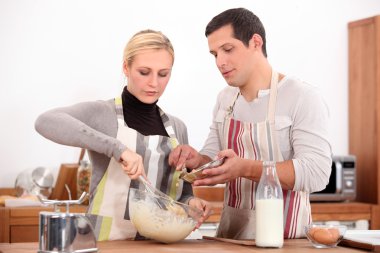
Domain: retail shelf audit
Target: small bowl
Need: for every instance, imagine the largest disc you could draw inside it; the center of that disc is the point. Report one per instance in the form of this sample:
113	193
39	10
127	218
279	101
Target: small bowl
161	219
325	236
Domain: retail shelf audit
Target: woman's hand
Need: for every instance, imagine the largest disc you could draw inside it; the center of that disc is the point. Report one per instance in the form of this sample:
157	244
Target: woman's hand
203	205
132	164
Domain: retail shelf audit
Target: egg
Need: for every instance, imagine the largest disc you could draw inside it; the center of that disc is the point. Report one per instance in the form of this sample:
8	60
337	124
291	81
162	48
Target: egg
324	235
312	231
334	233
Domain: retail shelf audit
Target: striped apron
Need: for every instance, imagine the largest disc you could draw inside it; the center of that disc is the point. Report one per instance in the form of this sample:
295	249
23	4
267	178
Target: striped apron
257	141
109	210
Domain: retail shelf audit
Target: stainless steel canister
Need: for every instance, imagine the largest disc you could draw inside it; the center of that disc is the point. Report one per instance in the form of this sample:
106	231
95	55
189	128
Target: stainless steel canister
65	232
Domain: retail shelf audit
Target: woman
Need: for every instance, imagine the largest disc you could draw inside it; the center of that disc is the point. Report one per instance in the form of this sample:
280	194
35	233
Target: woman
126	137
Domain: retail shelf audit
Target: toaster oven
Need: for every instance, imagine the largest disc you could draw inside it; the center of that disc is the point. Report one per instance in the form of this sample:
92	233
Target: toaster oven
342	182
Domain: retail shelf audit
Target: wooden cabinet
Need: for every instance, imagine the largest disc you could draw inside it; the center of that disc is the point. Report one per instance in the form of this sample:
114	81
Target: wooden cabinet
364	106
20	224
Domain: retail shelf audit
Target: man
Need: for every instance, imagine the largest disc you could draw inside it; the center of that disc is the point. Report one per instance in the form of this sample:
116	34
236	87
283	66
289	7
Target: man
260	116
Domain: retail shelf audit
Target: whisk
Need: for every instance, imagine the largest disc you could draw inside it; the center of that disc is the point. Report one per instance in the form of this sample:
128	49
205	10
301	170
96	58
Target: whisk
157	194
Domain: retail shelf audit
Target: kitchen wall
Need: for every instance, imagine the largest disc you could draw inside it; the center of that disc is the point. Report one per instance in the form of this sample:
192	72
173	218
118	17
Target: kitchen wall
56	53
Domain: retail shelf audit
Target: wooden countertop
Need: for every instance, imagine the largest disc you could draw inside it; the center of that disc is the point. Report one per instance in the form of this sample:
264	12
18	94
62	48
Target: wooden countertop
290	246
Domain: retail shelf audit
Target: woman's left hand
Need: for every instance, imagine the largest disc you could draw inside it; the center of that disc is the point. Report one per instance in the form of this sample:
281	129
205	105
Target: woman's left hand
203	205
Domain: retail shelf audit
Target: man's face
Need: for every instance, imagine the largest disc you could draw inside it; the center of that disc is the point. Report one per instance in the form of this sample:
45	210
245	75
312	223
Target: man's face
232	57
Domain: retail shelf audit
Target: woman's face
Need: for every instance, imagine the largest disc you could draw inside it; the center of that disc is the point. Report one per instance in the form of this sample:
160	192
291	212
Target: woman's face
148	74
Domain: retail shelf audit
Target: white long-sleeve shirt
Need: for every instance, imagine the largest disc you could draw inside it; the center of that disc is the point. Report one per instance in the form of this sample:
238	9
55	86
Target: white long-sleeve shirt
301	121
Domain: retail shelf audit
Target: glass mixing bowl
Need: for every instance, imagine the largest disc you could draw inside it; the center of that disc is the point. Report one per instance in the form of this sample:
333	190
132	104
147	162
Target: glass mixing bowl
325	236
161	219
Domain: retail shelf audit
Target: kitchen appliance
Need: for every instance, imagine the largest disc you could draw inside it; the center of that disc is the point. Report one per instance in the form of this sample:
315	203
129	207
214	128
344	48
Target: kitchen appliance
65	232
342	182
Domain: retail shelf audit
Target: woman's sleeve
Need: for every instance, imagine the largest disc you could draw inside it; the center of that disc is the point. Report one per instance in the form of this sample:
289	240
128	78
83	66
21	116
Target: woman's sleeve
89	125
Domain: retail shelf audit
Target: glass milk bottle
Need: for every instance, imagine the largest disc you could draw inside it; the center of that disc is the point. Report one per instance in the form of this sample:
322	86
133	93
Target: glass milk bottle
269	208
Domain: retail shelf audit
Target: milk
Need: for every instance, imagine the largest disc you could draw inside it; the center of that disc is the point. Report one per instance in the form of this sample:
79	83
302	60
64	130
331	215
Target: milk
269	208
269	223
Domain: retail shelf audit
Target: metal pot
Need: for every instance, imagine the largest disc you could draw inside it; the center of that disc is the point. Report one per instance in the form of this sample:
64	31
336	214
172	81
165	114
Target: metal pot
37	182
65	232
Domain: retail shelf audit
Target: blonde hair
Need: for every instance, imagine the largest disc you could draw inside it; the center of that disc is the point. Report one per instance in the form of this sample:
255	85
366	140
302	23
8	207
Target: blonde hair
146	39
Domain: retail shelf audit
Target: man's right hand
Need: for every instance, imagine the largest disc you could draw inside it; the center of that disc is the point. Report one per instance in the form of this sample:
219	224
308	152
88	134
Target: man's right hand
185	156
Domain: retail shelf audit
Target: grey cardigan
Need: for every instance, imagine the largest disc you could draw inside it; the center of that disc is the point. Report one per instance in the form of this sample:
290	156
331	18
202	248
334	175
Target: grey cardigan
93	126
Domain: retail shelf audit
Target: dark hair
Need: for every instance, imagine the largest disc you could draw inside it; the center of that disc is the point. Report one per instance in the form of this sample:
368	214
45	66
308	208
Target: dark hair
244	23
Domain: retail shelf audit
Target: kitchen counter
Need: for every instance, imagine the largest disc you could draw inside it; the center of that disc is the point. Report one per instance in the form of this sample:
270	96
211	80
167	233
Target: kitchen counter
20	224
290	246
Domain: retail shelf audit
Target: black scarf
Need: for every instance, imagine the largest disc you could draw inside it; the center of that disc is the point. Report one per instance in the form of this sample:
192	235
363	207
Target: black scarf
144	118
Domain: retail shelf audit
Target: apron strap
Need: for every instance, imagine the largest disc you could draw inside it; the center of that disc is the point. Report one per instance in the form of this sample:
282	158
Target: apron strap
176	185
230	109
272	97
119	111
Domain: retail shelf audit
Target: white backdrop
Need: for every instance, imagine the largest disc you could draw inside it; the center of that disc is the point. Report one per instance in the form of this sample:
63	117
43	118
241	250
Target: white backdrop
58	52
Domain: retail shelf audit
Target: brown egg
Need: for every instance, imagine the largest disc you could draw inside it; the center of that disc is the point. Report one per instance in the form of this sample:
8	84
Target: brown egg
324	236
312	231
334	234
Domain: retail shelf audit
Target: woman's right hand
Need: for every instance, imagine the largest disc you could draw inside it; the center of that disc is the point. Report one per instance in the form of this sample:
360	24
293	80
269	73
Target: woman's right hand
132	164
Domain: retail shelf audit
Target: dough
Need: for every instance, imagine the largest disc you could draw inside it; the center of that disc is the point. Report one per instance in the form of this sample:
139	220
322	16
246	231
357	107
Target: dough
166	226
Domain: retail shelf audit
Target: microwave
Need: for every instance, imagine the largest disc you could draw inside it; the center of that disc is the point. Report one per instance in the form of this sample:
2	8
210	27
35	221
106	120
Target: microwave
342	182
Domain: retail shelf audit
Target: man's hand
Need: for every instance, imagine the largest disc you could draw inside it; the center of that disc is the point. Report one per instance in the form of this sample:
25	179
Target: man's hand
232	168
